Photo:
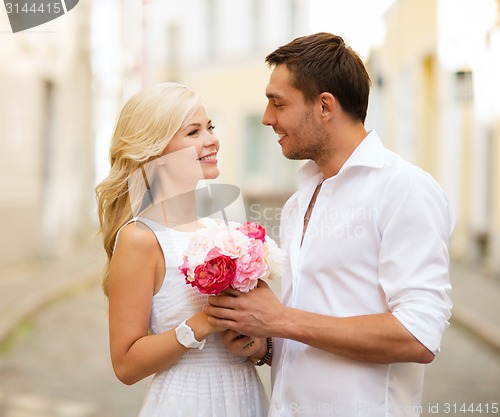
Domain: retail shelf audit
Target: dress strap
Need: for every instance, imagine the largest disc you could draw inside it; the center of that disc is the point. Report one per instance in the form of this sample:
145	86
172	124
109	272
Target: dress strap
149	223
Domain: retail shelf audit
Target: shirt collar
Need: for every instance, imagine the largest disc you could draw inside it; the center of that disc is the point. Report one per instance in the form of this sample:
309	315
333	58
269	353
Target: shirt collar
369	153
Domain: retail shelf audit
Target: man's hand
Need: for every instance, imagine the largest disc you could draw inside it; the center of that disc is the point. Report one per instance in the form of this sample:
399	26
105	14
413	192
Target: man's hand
246	346
257	313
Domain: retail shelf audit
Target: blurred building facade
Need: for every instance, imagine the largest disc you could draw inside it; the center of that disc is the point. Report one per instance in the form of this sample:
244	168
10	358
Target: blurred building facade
46	163
436	101
431	101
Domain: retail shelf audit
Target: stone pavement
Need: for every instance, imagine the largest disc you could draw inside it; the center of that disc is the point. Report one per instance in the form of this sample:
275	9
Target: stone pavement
32	405
25	289
476	302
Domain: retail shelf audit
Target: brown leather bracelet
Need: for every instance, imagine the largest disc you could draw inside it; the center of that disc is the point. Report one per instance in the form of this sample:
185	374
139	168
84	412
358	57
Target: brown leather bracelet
269	354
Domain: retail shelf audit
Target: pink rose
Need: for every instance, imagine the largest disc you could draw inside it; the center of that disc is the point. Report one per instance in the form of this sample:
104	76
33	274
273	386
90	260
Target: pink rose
184	268
251	267
253	230
215	275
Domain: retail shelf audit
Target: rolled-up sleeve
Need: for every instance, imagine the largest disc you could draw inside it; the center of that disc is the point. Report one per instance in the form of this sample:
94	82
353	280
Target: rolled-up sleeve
415	229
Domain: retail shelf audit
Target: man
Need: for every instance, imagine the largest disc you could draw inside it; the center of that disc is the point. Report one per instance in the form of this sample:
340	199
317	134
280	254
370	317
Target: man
365	290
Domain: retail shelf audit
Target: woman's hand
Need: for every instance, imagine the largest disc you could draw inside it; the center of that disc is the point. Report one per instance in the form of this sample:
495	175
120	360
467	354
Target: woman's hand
201	326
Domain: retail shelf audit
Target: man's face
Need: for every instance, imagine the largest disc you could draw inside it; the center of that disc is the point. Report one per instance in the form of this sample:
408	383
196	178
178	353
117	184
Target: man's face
300	131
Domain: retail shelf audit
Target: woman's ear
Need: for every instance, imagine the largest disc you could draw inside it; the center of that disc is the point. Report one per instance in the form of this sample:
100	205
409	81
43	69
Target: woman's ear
328	105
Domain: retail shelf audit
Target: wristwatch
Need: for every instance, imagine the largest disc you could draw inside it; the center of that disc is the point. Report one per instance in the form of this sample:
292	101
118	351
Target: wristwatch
185	336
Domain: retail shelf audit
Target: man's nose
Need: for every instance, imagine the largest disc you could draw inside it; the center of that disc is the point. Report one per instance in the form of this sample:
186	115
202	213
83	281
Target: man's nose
267	118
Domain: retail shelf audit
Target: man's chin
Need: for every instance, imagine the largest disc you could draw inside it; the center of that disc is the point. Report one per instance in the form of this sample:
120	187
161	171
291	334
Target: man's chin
294	156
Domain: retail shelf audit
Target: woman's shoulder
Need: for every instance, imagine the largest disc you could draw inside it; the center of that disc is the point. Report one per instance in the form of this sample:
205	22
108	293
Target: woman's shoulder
137	257
135	234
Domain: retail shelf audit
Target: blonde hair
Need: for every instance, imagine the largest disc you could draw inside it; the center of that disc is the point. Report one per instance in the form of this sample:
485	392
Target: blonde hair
144	128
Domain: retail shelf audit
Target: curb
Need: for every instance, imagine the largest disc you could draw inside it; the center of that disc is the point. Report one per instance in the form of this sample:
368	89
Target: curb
475	296
48	282
472	322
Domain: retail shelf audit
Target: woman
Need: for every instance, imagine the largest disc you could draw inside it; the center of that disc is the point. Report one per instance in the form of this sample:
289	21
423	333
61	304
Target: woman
162	146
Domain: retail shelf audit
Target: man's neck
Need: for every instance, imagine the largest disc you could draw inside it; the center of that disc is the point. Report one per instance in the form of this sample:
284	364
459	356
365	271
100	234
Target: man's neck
345	143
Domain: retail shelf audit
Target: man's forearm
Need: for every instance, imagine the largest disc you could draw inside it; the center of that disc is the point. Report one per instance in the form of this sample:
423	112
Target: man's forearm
377	338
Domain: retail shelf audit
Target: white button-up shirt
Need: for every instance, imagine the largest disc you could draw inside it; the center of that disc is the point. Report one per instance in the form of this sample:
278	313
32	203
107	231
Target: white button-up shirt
377	242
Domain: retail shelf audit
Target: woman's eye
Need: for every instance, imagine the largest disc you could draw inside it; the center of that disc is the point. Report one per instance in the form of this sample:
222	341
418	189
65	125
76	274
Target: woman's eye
211	128
193	132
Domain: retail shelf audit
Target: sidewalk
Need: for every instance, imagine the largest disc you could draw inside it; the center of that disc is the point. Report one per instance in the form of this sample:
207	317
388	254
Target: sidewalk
476	303
25	290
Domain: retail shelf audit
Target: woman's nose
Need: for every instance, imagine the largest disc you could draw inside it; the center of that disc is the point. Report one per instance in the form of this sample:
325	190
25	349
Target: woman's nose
211	140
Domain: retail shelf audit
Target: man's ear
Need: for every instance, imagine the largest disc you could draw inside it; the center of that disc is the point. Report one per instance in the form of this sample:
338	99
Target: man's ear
328	105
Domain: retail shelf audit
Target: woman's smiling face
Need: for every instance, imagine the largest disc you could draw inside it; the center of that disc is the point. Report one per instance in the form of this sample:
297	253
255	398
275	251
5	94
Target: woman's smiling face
197	133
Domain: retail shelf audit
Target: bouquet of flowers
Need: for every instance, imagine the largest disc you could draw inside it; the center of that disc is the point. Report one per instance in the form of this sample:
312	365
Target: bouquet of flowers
230	255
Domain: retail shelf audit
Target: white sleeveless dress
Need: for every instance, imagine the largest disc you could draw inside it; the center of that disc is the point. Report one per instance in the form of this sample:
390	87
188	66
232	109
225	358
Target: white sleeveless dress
210	382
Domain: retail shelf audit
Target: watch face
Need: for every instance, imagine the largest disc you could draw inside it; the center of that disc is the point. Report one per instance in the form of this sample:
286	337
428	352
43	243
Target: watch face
184	335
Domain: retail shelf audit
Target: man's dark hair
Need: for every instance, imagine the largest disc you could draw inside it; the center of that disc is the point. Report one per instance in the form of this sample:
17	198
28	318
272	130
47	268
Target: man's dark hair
323	63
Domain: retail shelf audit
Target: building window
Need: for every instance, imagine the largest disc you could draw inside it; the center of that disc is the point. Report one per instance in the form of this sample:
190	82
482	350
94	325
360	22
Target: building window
257	24
212	25
255	148
464	85
266	169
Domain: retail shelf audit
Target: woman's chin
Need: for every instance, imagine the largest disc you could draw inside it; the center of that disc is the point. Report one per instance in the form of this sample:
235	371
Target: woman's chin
212	174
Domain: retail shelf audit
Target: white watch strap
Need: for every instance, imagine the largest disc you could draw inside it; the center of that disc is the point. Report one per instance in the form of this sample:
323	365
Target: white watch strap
186	337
